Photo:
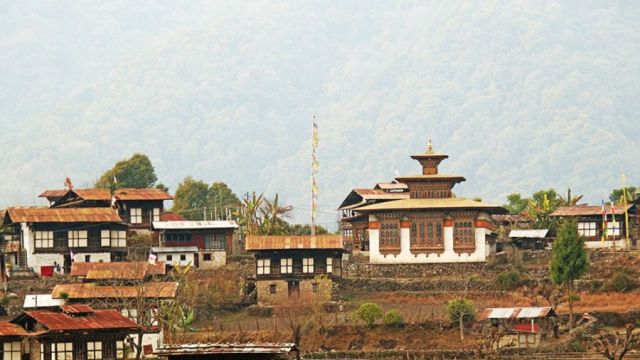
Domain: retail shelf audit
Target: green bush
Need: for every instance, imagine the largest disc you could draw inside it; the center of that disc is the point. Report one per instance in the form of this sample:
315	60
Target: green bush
461	307
369	313
508	280
393	319
621	282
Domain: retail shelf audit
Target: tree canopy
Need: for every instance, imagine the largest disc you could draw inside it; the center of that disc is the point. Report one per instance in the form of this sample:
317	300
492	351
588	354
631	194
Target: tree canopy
515	203
632	193
135	172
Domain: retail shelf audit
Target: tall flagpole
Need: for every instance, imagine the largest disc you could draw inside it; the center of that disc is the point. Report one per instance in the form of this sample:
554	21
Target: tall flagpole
314	174
626	213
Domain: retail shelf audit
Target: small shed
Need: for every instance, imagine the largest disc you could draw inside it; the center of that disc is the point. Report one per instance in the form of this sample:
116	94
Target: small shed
531	239
524	326
227	351
177	255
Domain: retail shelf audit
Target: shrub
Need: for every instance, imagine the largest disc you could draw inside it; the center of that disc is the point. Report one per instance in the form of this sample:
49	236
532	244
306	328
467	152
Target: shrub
461	307
393	319
621	282
369	313
508	280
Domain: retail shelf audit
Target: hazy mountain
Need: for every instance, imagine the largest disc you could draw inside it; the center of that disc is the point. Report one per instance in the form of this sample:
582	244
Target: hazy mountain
522	96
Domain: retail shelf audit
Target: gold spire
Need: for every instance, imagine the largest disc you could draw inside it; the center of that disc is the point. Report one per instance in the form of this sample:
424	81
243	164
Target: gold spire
429	147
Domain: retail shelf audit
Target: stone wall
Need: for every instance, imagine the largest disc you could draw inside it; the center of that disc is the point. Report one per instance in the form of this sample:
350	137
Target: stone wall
323	291
388	285
424	271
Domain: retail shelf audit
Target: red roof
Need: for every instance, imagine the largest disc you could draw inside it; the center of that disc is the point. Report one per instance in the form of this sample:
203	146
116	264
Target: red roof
170	216
45	214
98	320
76	309
9	329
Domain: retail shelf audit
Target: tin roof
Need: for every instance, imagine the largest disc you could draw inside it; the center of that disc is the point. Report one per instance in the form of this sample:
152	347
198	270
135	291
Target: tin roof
76	309
163	290
588	210
130	270
517	313
45	214
100	194
376	194
41	301
224	348
420	204
97	320
175	249
188	225
256	242
392	186
435	177
170	216
529	233
10	329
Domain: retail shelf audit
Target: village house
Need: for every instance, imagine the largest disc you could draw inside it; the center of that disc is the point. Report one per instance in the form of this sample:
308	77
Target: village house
355	225
228	351
137	207
139	301
204	244
67	332
522	327
45	239
121	272
431	225
591	224
295	268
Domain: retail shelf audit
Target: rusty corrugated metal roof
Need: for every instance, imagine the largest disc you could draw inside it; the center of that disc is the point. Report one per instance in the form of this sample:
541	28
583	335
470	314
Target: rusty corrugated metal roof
169	216
224	348
98	320
117	270
195	225
45	214
9	329
76	309
375	194
163	290
588	210
255	242
100	194
392	186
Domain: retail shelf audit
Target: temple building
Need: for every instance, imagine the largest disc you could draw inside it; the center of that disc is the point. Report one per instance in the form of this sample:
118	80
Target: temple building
430	225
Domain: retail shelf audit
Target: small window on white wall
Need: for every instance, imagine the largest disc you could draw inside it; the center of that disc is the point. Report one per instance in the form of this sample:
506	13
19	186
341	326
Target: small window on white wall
156	214
77	238
264	266
136	216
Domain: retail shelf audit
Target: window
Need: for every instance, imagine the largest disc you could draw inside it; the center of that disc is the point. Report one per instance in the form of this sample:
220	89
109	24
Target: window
272	289
169	257
183	257
329	265
307	265
178	237
77	238
463	233
206	257
156	214
113	238
44	239
215	241
11	351
286	266
613	228
315	287
390	234
120	349
264	266
87	258
63	351
587	229
136	216
94	350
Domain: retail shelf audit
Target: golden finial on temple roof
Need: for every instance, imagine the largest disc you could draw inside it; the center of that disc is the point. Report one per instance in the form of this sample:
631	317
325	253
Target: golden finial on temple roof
429	147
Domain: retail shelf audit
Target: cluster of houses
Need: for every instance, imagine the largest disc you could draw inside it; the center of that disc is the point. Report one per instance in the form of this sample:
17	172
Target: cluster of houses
86	233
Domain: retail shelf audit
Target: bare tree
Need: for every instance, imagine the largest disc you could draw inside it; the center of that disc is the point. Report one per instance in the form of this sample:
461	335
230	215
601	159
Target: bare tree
615	345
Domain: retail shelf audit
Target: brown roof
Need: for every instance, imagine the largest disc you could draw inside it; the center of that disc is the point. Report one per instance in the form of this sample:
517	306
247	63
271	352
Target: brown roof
130	270
77	309
423	204
9	329
163	290
254	242
437	177
100	194
170	216
587	210
391	186
377	194
97	320
45	214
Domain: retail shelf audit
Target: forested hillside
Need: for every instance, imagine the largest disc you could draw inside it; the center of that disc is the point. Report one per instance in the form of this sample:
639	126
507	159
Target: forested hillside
522	96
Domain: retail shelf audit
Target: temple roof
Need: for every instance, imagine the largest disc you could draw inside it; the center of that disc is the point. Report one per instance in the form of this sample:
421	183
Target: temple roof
422	204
